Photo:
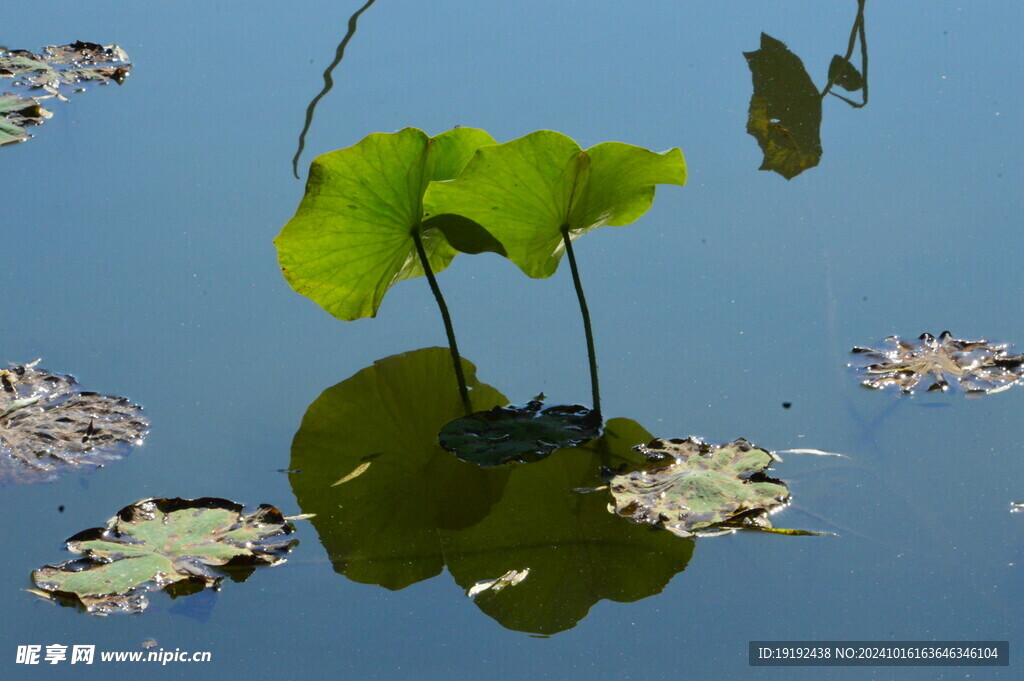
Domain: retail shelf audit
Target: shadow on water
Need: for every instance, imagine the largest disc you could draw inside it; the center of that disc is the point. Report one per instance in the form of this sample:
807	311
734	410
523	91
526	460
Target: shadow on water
328	83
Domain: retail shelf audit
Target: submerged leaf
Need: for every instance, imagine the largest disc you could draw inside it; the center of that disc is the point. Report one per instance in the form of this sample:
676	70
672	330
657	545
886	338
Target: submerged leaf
978	365
48	425
785	109
155	543
505	434
525	192
704	489
352	236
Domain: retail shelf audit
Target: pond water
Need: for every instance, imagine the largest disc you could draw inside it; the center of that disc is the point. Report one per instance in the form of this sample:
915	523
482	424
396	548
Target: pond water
138	256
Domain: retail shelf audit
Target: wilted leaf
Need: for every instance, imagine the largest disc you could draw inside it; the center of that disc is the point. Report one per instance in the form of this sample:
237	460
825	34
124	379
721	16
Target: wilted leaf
525	192
17	113
48	425
504	434
155	543
978	365
352	236
785	109
63	69
367	463
703	488
844	74
576	552
510	578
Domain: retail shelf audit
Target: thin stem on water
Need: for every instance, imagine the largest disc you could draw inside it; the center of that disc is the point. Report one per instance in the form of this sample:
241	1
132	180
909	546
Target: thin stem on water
591	354
856	32
452	345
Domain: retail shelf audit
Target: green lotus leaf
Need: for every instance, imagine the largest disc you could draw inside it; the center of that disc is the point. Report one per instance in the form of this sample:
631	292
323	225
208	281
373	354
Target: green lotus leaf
352	236
367	462
525	192
156	543
524	434
702	489
785	109
48	425
978	365
572	551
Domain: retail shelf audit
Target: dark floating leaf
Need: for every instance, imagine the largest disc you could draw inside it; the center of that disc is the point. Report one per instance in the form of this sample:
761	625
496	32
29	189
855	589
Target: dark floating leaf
785	109
844	74
47	424
57	72
505	434
978	365
159	543
704	490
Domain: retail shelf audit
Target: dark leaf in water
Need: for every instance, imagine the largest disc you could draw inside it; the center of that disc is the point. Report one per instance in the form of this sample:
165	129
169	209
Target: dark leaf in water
977	365
505	434
785	110
701	488
162	543
48	425
844	74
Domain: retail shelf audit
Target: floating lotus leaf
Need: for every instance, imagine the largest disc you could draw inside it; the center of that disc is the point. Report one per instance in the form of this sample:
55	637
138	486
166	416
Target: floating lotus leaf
525	192
785	109
703	489
504	434
62	69
156	543
47	425
16	114
978	365
352	236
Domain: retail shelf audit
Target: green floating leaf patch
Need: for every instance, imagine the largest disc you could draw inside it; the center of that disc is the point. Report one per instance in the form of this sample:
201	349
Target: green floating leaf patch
525	192
703	489
155	543
352	236
16	114
505	434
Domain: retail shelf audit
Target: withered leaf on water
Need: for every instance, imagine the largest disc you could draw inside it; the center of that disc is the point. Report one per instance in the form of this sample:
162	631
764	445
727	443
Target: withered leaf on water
157	543
978	365
699	488
48	425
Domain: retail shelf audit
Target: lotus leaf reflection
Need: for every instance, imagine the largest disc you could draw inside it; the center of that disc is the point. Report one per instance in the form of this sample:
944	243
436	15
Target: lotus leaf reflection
156	543
704	489
978	365
48	424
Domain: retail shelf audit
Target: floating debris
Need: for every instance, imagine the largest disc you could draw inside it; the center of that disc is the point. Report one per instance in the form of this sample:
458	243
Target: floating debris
704	490
1016	507
510	578
978	365
156	543
56	73
48	425
505	434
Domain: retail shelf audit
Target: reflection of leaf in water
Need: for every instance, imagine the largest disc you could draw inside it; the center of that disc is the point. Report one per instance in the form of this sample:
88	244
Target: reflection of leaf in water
577	553
524	193
354	233
785	109
381	526
47	424
157	543
978	366
844	74
701	487
504	434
